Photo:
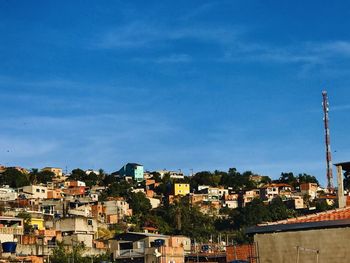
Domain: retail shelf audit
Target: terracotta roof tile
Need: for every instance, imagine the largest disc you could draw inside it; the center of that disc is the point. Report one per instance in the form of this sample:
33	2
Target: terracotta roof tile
337	214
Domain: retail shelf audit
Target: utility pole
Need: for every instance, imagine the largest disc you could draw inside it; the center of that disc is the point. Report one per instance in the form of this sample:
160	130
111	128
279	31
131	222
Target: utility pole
329	173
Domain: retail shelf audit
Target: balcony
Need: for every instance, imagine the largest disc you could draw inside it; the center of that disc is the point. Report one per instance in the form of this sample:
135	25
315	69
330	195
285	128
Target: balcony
11	230
129	253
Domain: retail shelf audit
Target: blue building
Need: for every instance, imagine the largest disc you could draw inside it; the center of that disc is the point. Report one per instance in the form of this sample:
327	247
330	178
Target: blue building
133	170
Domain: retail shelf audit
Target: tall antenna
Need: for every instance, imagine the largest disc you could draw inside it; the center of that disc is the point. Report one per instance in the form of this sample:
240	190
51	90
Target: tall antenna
325	105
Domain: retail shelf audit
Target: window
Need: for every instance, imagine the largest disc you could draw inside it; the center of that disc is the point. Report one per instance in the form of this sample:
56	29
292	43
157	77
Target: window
38	190
43	190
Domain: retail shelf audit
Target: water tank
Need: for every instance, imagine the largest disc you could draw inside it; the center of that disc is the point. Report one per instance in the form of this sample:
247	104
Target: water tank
9	247
159	243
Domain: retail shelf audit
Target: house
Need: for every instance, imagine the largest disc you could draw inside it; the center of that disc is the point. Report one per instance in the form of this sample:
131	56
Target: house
230	201
148	248
82	210
11	228
181	189
151	184
117	207
37	223
76	224
248	196
111	211
54	194
89	171
296	202
270	191
34	191
77	230
7	194
214	193
55	170
75	191
53	207
133	170
309	189
50	236
172	174
155	202
73	183
196	199
319	237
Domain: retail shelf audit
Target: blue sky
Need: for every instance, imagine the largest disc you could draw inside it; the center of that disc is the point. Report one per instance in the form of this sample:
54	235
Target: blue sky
200	85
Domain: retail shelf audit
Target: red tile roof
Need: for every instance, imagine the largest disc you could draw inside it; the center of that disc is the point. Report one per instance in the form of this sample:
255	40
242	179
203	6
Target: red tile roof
330	215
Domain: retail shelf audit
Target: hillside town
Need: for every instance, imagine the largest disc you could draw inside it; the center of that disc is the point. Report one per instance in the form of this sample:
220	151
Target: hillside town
134	215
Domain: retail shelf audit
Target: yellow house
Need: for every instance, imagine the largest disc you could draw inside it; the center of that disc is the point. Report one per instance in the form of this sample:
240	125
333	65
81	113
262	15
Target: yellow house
181	189
37	223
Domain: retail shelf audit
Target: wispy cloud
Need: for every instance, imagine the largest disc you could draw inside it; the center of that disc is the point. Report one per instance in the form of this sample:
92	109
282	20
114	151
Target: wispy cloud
170	59
40	139
332	48
198	11
233	44
142	34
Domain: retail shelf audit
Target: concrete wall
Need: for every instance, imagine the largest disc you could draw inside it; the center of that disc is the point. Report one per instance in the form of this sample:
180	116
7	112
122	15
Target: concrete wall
77	225
282	247
38	249
35	191
6	238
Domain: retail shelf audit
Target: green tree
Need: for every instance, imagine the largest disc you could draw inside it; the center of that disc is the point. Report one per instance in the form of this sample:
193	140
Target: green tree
139	203
27	218
66	254
265	180
252	214
278	210
91	179
78	175
306	178
288	178
237	180
184	219
108	179
156	176
322	206
45	176
205	178
14	178
119	189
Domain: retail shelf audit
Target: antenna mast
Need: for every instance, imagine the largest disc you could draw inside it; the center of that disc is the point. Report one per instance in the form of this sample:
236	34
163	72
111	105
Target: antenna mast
325	105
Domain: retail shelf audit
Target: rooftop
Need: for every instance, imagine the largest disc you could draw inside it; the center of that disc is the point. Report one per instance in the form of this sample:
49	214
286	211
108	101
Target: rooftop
345	165
135	236
331	218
